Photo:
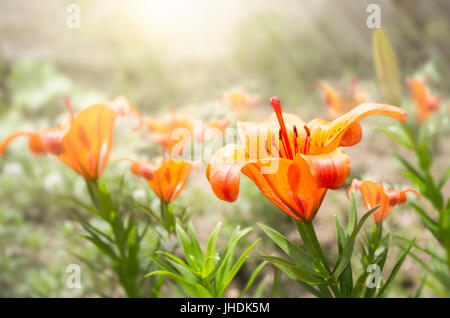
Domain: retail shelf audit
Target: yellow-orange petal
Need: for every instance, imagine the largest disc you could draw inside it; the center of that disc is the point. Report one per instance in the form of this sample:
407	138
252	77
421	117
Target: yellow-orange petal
169	179
273	177
87	143
327	136
261	139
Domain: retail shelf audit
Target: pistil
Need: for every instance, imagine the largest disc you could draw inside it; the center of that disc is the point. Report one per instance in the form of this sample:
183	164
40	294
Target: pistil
276	104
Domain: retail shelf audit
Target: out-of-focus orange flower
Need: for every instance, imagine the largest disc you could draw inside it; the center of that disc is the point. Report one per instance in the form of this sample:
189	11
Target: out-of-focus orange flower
179	131
219	124
292	163
124	108
339	103
167	178
424	101
239	101
165	130
375	194
83	144
45	141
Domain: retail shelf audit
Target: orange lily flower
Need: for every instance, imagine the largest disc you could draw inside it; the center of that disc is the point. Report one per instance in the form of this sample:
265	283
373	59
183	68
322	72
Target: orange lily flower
47	140
424	101
339	104
87	143
124	108
375	194
167	178
291	162
83	144
163	130
239	101
219	124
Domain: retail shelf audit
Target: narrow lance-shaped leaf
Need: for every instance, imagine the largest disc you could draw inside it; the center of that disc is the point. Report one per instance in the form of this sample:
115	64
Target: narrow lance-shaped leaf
210	254
294	251
236	267
395	270
252	278
353	214
346	254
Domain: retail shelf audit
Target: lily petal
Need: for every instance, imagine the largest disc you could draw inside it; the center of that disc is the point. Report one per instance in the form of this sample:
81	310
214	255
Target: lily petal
330	170
327	136
87	144
277	186
224	172
34	142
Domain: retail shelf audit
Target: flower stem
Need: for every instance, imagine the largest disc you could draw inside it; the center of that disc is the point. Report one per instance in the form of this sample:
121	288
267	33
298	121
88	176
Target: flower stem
309	237
126	274
168	217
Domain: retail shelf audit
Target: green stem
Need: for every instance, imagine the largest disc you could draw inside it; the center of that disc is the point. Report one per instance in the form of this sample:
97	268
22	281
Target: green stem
168	217
309	238
127	280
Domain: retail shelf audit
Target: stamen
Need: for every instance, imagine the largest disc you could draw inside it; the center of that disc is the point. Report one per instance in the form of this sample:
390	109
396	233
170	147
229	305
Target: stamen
308	134
276	104
68	103
275	145
280	138
295	140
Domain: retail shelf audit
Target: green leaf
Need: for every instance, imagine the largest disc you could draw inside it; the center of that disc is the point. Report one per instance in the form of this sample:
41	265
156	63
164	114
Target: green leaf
306	286
417	247
340	234
149	211
344	257
430	224
409	167
177	260
422	284
187	247
132	236
395	270
230	275
252	278
424	156
346	283
386	67
210	254
353	214
444	178
294	251
296	270
398	135
100	245
444	228
346	279
260	288
195	289
198	254
226	259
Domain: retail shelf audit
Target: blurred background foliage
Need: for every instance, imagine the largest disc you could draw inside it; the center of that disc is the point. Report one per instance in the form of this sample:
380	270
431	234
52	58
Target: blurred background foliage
174	54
